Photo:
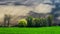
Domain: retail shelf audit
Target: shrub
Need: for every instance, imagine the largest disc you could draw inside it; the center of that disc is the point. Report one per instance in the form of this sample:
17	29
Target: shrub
36	22
29	21
22	22
33	22
44	22
50	20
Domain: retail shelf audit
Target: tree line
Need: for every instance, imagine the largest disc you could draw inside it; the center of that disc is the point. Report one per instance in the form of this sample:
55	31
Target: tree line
31	21
37	22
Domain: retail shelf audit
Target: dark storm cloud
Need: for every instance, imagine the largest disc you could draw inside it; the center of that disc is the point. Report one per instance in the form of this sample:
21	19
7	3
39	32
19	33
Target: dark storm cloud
29	2
21	2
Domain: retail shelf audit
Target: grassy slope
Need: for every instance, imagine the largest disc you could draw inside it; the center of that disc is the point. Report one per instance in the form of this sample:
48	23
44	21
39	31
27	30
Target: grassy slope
43	30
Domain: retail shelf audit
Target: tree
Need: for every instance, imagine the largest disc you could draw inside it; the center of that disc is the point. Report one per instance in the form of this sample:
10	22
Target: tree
45	21
36	22
50	20
29	21
22	23
7	20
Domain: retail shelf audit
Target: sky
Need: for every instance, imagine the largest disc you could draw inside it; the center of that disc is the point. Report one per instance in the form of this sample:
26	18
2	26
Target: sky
38	6
30	2
34	3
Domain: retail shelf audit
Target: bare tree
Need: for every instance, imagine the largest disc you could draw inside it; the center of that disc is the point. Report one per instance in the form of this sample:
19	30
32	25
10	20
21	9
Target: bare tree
7	19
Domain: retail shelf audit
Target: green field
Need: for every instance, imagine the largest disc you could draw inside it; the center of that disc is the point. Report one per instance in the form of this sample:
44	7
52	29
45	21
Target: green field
40	30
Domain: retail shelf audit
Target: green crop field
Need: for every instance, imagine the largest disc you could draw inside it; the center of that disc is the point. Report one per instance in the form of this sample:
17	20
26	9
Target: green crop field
40	30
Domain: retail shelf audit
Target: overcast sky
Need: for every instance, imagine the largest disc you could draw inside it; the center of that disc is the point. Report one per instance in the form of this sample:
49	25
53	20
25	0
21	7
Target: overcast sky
31	1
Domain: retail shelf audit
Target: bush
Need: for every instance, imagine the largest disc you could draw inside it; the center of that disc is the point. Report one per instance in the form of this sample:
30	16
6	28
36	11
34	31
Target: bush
39	22
36	22
44	22
50	20
33	22
22	23
29	21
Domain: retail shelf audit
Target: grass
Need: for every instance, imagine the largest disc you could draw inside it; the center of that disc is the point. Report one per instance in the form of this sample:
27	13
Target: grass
40	30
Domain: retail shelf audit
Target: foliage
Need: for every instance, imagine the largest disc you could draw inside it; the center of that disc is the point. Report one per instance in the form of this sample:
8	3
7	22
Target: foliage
44	22
36	22
22	22
29	20
40	22
50	20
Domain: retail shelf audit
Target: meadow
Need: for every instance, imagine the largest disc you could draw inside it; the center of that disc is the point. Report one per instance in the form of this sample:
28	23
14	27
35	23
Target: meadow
26	30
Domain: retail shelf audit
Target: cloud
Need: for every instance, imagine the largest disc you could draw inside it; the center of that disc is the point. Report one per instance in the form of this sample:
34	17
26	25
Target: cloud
30	2
43	8
24	10
26	2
